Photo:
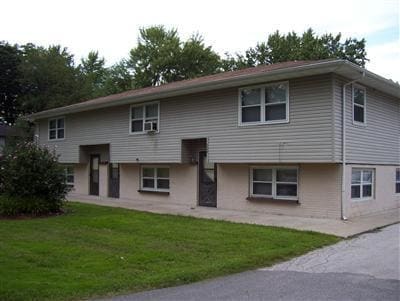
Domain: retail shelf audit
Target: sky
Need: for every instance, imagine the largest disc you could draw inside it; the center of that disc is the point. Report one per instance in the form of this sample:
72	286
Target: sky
112	27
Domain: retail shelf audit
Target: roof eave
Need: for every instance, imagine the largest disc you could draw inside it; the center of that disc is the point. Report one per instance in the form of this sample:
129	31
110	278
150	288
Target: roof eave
342	67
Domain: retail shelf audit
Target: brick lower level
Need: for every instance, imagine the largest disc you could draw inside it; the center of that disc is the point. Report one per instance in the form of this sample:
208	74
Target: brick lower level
319	189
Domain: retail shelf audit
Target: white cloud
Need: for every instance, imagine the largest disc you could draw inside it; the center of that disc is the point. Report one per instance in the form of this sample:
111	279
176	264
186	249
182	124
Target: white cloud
112	26
385	60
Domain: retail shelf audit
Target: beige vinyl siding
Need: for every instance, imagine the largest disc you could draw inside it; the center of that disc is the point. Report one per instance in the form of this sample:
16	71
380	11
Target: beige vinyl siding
376	142
212	115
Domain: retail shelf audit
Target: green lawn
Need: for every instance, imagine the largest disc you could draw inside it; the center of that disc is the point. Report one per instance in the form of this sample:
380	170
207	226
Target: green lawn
101	251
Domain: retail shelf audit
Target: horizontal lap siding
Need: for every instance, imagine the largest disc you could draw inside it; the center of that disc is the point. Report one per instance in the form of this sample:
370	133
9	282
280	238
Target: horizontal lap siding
212	115
379	141
307	138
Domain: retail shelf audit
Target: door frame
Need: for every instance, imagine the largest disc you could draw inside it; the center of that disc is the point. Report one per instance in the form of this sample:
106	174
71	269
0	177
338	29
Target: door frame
199	177
90	174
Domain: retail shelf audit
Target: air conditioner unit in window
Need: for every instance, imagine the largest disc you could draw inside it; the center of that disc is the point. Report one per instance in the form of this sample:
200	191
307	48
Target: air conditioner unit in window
150	127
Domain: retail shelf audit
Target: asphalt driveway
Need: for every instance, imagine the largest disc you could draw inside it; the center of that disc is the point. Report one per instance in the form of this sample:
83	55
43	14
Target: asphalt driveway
363	268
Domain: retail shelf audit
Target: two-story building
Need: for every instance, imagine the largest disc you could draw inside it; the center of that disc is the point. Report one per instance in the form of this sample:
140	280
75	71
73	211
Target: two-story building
302	138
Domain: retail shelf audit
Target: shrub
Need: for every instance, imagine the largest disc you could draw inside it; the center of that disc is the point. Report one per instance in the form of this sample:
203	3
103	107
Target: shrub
31	181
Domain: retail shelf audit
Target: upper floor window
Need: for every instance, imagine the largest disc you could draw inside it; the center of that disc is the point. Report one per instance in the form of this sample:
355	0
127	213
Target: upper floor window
57	128
359	104
279	183
362	184
264	104
398	180
144	118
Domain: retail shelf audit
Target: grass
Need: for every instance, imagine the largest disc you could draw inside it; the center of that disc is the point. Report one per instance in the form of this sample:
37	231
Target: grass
100	251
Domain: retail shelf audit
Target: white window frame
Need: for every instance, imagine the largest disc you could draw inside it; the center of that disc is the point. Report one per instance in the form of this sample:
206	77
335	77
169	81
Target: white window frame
358	105
396	181
274	182
155	178
143	105
56	129
69	174
263	104
361	198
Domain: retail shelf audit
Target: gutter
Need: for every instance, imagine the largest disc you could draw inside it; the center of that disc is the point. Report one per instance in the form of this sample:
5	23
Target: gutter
343	196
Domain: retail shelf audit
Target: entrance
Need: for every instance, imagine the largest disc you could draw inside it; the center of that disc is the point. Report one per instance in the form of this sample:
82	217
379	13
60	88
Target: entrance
94	175
207	181
113	181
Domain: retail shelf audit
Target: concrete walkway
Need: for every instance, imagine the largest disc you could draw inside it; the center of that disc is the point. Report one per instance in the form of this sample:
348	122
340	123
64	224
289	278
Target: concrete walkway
330	226
363	268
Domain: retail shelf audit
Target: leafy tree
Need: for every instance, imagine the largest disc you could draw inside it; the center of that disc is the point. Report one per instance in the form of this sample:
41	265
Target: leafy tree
118	79
94	75
9	84
49	78
31	181
161	57
196	59
308	46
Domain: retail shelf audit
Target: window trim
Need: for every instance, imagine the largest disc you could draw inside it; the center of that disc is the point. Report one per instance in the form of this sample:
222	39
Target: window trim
395	180
155	178
361	198
358	105
274	183
263	104
56	129
144	117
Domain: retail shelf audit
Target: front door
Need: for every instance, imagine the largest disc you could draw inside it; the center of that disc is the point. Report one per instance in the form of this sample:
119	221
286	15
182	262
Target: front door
207	181
94	175
113	181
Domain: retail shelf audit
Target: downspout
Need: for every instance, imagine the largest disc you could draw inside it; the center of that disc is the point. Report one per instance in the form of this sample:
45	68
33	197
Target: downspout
343	197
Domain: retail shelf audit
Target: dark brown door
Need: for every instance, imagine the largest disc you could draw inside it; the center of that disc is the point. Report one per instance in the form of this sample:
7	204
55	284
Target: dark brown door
207	182
113	181
94	175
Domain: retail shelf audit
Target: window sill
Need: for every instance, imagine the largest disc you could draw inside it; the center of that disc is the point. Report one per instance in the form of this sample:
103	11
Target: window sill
244	124
154	192
272	200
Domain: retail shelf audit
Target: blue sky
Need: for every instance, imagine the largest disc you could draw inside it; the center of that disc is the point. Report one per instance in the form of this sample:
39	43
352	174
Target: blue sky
111	27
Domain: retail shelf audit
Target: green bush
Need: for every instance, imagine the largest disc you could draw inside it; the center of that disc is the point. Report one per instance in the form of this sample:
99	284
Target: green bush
31	181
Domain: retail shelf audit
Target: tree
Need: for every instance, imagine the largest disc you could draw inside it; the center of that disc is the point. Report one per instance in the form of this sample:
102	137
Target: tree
290	47
48	79
94	75
9	84
161	57
196	59
118	79
31	181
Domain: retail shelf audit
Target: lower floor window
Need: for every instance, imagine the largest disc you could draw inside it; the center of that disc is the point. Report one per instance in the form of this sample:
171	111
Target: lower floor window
155	178
280	183
69	175
362	183
398	180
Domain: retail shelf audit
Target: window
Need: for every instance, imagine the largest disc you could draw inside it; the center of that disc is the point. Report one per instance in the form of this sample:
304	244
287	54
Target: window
277	183
362	186
69	175
398	180
264	104
155	178
359	104
57	128
140	114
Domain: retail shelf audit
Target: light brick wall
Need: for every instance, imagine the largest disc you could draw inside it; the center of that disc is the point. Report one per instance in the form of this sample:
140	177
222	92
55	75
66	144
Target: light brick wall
384	197
183	184
319	191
